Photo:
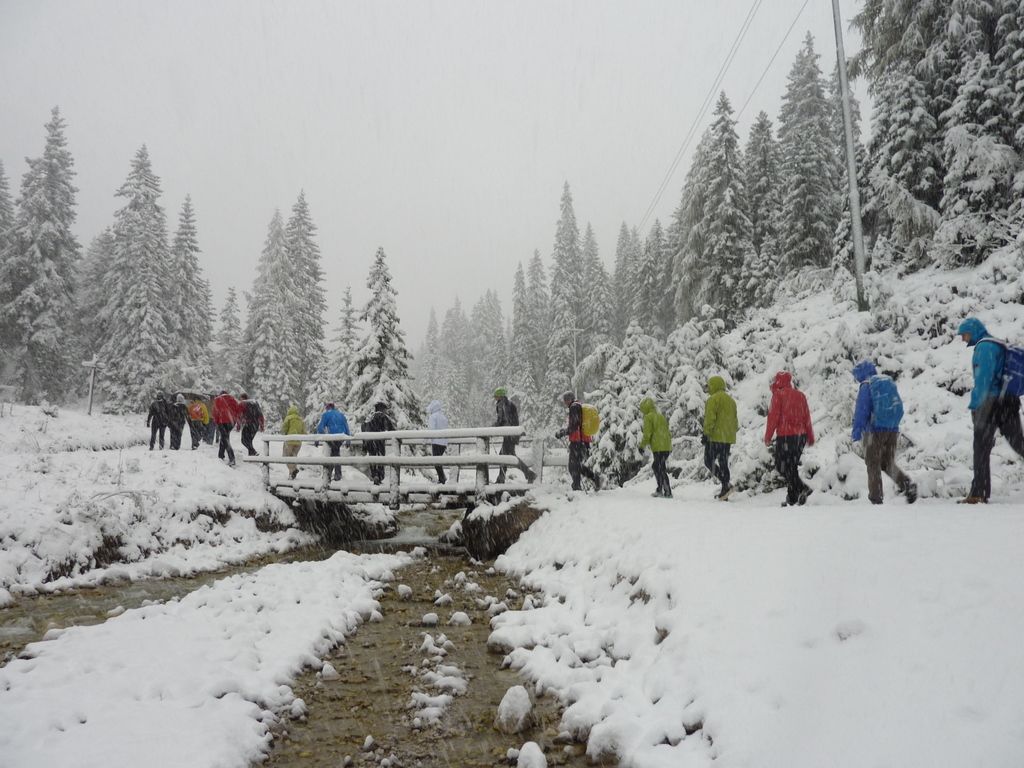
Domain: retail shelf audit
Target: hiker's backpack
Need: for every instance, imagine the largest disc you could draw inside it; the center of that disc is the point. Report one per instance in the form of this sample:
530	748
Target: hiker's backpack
886	405
195	411
512	414
1012	379
591	420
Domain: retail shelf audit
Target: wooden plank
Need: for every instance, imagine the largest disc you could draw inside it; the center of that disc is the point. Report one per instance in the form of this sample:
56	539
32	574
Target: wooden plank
406	434
466	459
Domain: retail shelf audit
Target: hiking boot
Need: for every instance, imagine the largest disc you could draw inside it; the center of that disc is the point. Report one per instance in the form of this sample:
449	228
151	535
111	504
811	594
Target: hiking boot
597	483
657	494
973	500
231	463
337	474
874	501
293	474
667	493
802	498
724	494
911	494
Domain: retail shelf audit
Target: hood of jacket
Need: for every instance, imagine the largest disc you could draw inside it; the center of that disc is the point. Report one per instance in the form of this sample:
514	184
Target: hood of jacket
293	411
782	380
434	406
647	406
716	384
976	328
864	370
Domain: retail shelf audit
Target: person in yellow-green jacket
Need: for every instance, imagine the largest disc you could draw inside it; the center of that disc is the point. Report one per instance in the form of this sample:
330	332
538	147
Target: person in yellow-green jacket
720	427
293	425
658	437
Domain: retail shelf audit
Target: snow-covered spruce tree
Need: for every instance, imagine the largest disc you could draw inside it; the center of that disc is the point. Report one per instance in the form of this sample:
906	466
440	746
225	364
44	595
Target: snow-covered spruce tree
631	374
141	321
597	317
381	367
228	349
564	345
1009	58
37	311
809	214
520	378
457	363
272	355
763	170
92	292
623	283
311	382
648	288
430	381
539	326
344	350
694	355
687	248
6	211
194	303
489	365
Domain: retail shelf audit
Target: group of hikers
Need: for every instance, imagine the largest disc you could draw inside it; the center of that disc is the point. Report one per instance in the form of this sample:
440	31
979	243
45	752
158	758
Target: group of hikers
998	371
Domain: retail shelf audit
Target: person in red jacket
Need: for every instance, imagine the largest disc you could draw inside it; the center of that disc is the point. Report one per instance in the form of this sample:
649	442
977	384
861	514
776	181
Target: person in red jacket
789	423
225	416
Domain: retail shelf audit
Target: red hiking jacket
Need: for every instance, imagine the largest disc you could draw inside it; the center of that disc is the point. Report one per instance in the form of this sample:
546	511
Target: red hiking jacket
788	414
225	409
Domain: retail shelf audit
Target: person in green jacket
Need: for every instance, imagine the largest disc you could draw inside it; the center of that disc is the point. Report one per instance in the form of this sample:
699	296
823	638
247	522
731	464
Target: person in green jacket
657	436
720	427
293	425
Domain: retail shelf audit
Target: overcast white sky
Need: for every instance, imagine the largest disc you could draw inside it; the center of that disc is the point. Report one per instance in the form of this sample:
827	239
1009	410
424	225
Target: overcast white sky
442	131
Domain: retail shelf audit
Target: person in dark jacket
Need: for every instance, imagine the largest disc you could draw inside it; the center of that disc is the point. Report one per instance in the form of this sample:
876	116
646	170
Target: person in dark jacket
157	420
507	415
876	419
657	436
333	422
579	443
178	415
719	435
225	416
991	410
789	423
379	422
250	416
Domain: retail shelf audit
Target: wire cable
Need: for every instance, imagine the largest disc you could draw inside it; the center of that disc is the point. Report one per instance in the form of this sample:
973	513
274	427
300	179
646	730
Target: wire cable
772	60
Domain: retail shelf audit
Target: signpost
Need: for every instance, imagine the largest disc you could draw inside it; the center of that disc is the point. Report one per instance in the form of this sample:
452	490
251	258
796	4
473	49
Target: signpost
92	365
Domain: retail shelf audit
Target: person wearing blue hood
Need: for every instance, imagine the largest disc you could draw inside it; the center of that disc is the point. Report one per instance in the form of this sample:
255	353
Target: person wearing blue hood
333	422
991	408
876	418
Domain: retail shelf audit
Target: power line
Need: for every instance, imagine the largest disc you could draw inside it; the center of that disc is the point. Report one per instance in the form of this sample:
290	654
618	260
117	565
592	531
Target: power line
722	70
772	60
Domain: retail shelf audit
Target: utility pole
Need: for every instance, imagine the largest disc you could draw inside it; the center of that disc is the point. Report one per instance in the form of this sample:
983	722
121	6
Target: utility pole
851	162
92	365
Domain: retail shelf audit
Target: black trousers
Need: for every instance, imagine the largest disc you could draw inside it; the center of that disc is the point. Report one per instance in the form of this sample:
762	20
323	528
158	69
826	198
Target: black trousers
716	459
997	414
788	451
334	449
439	450
376	448
176	430
248	433
660	473
508	448
195	429
154	430
579	452
224	432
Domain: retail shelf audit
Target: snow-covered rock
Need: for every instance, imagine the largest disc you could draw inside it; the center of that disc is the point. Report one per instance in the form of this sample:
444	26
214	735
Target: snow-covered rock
404	592
531	756
429	620
514	711
459	619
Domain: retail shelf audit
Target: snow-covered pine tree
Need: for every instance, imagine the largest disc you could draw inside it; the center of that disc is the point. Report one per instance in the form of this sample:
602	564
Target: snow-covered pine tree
311	382
6	212
688	245
273	358
229	370
809	214
141	323
345	345
520	378
564	346
381	367
430	381
623	285
763	170
37	273
92	292
631	374
1009	58
648	287
693	357
539	326
600	304
456	364
488	367
194	302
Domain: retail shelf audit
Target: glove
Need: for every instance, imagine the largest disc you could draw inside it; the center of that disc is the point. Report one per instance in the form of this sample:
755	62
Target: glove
703	439
561	433
316	443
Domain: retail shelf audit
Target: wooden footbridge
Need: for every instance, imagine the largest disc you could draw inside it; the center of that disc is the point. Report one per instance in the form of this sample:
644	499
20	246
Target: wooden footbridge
410	470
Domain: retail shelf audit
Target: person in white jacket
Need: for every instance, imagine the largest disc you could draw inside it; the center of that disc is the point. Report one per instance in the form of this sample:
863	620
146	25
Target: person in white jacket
437	420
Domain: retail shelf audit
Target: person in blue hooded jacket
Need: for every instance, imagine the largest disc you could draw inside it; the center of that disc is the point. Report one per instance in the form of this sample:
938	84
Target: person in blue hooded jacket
876	419
333	422
991	410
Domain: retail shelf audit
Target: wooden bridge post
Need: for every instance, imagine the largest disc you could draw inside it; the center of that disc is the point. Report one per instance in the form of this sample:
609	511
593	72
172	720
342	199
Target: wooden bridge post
396	476
328	471
456	468
266	465
483	445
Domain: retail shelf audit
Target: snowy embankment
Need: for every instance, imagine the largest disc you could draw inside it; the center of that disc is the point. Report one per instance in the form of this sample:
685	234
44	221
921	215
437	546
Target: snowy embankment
70	518
196	682
32	429
690	632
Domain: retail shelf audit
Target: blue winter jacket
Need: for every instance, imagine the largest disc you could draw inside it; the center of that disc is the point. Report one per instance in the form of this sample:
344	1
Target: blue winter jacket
333	422
987	362
862	411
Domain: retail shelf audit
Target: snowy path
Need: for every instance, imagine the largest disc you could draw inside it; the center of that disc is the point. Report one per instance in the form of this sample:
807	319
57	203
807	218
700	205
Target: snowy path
835	634
194	682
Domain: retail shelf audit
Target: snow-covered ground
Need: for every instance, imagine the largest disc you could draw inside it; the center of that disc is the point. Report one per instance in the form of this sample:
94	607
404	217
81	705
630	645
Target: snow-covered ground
74	517
838	634
195	682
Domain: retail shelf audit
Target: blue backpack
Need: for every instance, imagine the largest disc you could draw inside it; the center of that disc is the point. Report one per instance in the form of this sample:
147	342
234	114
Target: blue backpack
886	405
1012	378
